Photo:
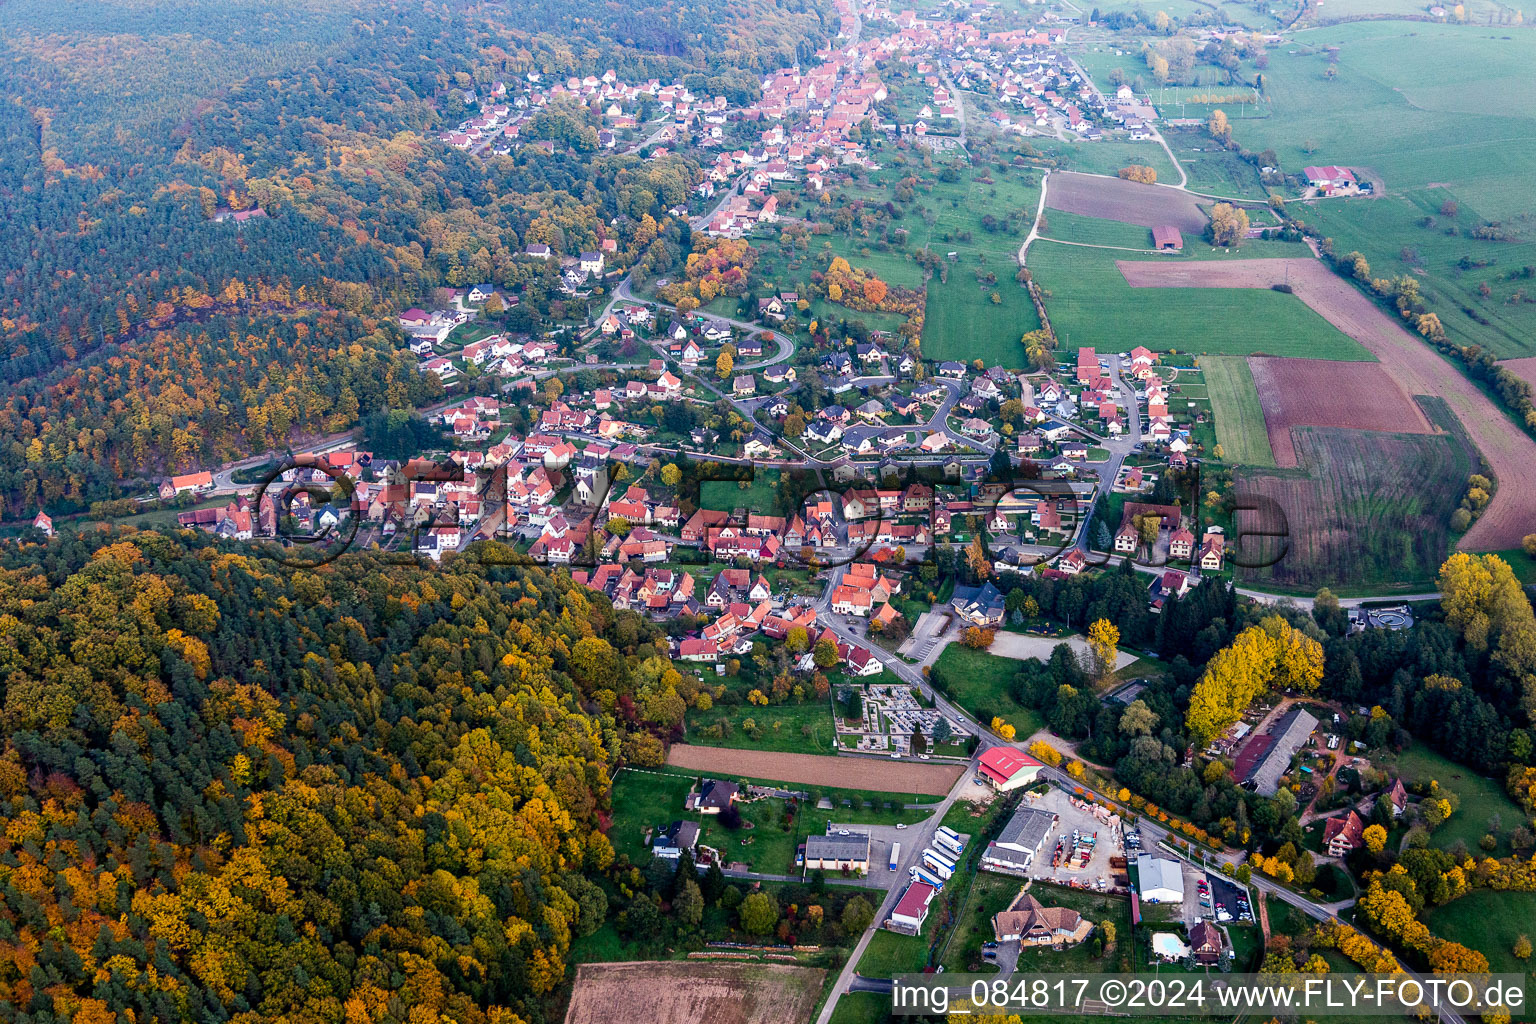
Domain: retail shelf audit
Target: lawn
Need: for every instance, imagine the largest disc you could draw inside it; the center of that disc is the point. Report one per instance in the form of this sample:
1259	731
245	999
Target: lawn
988	895
761	495
890	953
961	321
794	728
1089	302
980	683
644	800
1481	798
992	893
1239	417
1488	922
1523	565
862	1008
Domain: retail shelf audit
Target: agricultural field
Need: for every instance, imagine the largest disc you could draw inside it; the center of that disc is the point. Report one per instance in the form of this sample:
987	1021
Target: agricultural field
885	775
695	992
1525	369
1128	201
1108	157
1090	302
981	683
1211	168
1319	393
1074	227
1234	399
1407	233
1489	922
1414	103
1417	368
1366	508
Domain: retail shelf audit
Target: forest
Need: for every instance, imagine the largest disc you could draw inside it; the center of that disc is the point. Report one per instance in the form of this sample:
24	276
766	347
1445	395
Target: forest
133	128
231	791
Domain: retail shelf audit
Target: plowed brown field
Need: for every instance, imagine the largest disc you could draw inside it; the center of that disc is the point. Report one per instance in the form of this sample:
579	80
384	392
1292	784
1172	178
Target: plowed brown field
1093	195
1417	369
880	775
1328	393
694	992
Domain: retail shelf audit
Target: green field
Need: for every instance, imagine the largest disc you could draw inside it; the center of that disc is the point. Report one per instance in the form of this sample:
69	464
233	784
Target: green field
980	682
1212	169
993	893
1416	103
962	322
1109	157
1393	234
1488	922
862	1008
761	495
1074	227
794	728
1239	417
1090	303
1481	798
1436	112
889	953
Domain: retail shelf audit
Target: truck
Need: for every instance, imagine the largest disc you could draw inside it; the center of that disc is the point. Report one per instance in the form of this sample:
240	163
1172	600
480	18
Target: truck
948	833
952	847
895	854
937	866
924	875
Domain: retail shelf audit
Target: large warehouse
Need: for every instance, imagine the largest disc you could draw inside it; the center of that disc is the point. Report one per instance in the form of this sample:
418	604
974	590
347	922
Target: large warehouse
1162	881
1007	768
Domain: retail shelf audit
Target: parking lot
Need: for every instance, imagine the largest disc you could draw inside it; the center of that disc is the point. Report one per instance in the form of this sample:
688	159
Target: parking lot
1073	815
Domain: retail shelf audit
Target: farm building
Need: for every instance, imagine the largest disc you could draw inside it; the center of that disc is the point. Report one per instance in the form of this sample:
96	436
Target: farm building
912	909
1008	769
1265	758
1166	238
1162	881
1329	178
837	852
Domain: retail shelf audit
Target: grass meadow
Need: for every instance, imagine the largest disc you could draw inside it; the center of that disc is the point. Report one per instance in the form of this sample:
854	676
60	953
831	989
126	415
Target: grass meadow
1489	922
1481	798
980	682
1239	417
1414	102
1090	303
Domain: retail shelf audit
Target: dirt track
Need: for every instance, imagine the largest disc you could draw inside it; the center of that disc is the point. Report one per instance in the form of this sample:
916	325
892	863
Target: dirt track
694	992
1306	393
1417	369
1092	195
881	775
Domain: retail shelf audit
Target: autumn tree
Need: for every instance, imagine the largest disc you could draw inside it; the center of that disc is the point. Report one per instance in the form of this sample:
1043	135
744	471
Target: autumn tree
1103	647
1220	128
1229	224
1139	172
724	362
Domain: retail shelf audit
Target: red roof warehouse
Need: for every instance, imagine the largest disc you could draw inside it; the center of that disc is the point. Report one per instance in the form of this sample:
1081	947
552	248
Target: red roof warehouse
1007	768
